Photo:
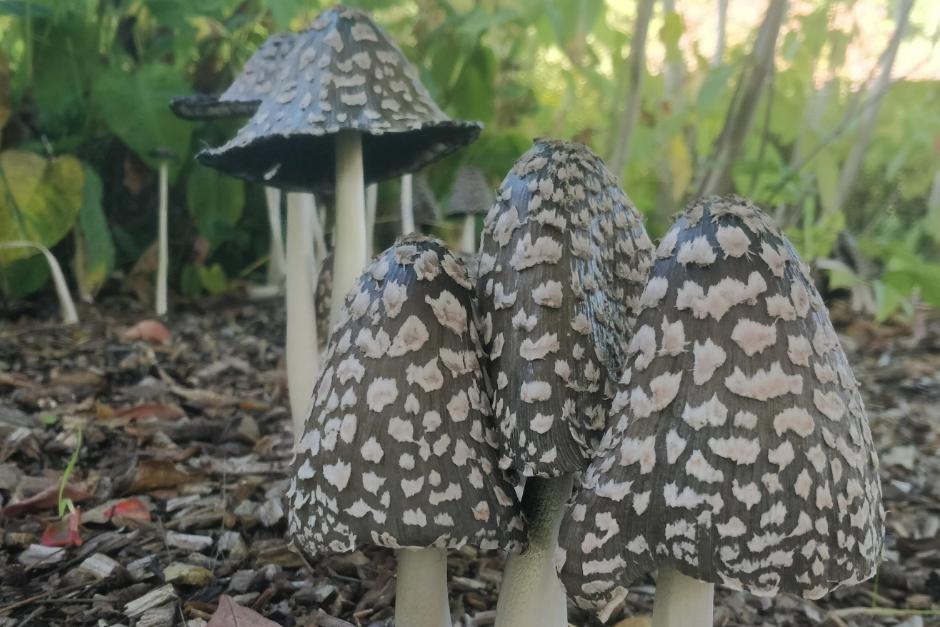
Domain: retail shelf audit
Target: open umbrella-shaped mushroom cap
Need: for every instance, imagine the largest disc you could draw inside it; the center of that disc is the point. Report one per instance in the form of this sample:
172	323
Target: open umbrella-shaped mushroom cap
246	92
398	450
563	260
471	193
741	454
344	73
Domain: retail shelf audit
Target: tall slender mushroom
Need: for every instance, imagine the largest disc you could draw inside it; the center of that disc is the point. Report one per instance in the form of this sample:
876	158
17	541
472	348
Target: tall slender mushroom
399	449
741	454
347	109
563	260
165	156
470	197
406	200
241	99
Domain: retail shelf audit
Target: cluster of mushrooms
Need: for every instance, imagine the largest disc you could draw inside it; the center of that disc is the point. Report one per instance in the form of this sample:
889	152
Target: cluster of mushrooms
560	389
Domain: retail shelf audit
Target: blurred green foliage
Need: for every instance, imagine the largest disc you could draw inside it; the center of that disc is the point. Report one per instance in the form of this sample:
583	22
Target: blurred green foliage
89	80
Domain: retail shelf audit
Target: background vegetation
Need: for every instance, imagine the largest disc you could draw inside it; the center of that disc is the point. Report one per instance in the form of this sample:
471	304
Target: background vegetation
825	112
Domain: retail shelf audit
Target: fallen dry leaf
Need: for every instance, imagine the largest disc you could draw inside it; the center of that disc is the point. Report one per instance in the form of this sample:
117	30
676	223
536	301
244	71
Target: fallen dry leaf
231	614
45	499
64	532
151	331
155	474
129	509
150	410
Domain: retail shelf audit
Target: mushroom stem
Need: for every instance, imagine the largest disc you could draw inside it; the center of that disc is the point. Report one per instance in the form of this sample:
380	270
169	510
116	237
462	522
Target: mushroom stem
350	219
276	264
682	600
316	222
66	304
162	246
407	205
301	346
421	588
372	201
532	594
468	236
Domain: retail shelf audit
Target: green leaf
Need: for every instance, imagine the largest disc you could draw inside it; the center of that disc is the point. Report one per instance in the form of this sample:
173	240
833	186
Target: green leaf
213	278
134	107
94	249
827	181
39	199
670	33
22	277
215	203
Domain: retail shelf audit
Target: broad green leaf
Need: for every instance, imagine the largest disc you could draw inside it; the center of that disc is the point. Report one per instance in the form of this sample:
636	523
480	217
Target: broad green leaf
134	106
5	105
213	278
827	181
94	249
20	278
39	199
215	203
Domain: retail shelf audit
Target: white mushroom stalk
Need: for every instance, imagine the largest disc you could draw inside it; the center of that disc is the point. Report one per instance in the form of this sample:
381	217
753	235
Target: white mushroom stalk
682	600
301	347
563	258
397	449
407	204
470	196
350	255
66	304
740	453
162	240
468	234
276	263
372	201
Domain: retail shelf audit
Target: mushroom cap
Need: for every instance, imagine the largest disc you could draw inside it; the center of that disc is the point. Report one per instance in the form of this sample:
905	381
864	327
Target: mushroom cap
741	454
398	449
563	260
471	193
247	90
344	73
323	299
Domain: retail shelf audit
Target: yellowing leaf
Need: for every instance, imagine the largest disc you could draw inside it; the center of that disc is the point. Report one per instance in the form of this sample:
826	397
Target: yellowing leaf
39	199
680	166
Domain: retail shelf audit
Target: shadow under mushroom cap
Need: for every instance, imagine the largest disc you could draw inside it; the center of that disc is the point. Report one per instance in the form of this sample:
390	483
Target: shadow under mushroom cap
741	453
344	73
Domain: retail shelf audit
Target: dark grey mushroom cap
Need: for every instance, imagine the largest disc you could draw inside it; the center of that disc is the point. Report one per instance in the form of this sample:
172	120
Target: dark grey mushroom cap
323	300
471	193
246	92
344	73
563	261
741	454
398	449
426	209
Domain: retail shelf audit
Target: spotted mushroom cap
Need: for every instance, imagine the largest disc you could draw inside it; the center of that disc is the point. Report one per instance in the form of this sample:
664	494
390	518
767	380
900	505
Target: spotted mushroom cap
343	73
471	194
563	260
243	96
741	453
398	449
323	300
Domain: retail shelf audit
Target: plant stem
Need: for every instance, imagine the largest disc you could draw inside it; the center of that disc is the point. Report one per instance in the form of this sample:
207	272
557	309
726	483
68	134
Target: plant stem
162	236
407	205
301	348
531	594
682	600
350	231
421	589
66	304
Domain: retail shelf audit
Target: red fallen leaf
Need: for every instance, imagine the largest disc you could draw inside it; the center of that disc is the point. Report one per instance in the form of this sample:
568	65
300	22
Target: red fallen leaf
151	331
64	532
231	614
150	410
45	499
129	509
157	474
